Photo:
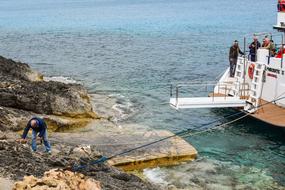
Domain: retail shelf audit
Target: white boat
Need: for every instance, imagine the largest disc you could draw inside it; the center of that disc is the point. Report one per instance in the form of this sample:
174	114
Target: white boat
257	87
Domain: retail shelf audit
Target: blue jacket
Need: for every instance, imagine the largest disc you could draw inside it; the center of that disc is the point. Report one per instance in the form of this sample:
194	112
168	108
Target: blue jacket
40	129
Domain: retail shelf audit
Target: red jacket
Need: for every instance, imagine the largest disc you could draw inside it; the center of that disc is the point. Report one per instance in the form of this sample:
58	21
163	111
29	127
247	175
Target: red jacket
281	6
279	54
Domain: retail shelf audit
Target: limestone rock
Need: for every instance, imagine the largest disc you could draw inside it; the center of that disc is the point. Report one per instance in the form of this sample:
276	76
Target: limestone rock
20	89
12	119
5	184
17	70
57	180
17	161
82	151
23	95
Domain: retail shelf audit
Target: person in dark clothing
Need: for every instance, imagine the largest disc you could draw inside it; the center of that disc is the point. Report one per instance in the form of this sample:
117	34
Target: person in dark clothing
233	56
38	126
253	47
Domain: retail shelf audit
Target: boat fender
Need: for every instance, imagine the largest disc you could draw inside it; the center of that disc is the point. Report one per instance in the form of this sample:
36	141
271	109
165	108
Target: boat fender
250	71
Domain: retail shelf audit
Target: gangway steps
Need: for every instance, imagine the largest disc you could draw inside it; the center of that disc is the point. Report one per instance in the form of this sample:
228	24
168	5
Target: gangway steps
207	102
256	87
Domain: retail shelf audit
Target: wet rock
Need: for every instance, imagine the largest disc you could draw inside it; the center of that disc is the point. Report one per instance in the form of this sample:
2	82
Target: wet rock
57	180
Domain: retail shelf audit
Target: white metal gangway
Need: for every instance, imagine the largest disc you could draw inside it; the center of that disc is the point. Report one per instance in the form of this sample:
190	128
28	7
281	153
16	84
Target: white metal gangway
217	97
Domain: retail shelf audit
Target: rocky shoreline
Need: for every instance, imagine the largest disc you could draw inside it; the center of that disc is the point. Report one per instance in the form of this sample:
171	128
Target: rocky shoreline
24	94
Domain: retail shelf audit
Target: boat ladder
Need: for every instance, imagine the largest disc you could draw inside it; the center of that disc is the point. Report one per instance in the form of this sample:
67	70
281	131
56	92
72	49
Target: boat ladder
240	87
256	88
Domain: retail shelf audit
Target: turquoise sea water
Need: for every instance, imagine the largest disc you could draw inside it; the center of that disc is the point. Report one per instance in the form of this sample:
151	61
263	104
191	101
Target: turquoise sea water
133	50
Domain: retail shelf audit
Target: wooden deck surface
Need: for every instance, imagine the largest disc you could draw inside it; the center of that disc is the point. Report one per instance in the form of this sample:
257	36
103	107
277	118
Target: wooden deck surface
223	95
217	95
271	114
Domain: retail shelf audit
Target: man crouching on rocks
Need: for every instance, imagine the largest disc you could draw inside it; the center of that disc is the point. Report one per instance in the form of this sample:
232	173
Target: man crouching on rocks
38	125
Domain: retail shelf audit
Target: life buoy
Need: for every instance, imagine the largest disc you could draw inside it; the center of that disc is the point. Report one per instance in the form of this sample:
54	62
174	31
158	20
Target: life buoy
250	71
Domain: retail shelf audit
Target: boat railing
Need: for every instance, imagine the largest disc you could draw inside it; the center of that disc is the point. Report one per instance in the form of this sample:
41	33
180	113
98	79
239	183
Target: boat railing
213	89
280	37
243	90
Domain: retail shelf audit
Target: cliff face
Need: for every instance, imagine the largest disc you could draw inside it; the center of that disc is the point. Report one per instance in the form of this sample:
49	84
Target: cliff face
24	94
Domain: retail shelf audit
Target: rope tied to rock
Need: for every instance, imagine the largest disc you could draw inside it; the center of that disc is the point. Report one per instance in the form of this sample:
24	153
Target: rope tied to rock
183	133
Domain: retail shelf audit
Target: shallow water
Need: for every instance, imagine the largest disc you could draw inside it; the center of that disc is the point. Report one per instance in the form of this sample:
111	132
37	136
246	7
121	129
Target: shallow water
133	50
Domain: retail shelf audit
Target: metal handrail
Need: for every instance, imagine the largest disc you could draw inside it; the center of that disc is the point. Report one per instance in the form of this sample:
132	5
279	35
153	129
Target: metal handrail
227	88
194	83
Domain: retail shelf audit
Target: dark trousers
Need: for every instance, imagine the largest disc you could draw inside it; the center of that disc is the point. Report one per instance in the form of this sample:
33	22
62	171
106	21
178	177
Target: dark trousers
233	63
45	139
253	57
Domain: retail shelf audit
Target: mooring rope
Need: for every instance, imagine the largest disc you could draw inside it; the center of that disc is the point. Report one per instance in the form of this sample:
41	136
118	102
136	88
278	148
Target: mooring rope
237	119
183	133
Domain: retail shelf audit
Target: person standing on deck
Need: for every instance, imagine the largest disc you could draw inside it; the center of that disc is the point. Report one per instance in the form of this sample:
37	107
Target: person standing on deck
233	56
253	47
269	44
281	6
38	125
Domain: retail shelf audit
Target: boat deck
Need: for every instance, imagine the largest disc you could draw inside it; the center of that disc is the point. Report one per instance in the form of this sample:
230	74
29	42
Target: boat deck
271	114
223	95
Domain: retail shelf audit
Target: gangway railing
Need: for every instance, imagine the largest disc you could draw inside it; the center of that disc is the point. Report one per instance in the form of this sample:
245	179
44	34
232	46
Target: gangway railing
218	95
